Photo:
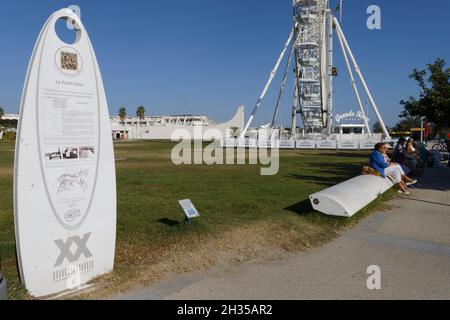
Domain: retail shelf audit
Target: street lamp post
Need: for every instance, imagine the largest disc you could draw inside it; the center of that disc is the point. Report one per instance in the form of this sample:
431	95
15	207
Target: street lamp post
422	128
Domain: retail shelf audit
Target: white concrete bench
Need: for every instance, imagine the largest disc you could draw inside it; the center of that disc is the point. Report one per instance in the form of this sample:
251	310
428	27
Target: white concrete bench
349	197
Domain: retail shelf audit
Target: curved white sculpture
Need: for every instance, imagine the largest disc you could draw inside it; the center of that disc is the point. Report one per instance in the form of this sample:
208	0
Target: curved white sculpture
349	197
64	176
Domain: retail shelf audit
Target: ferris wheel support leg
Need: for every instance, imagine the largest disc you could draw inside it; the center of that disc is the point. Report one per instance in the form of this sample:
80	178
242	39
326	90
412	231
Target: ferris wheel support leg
294	109
323	72
329	16
283	84
269	82
366	88
353	82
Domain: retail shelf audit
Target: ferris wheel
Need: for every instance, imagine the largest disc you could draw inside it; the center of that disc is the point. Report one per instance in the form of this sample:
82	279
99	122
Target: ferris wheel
311	51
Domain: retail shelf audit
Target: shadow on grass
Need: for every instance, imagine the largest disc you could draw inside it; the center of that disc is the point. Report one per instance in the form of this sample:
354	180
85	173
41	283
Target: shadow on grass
169	222
184	227
302	208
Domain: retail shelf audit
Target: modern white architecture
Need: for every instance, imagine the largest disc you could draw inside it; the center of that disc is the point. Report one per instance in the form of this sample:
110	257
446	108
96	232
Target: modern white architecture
162	127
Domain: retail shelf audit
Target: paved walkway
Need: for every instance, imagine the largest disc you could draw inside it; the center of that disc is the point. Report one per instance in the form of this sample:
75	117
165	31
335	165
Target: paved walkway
410	243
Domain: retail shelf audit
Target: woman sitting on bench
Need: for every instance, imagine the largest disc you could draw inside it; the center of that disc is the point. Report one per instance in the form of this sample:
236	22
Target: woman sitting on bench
391	170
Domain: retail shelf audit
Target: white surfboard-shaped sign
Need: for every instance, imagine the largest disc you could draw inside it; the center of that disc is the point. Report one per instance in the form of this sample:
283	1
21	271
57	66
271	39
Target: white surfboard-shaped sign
64	176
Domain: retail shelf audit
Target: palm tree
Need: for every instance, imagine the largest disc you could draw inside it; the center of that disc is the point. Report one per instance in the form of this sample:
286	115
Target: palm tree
122	114
140	113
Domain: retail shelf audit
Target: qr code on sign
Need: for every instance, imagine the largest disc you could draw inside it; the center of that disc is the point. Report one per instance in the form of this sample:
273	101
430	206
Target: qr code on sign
69	61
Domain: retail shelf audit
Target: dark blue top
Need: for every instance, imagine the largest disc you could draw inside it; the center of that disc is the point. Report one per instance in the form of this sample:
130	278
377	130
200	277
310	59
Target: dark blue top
378	163
399	154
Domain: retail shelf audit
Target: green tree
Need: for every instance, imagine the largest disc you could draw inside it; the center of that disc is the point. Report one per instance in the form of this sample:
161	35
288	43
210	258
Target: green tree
122	114
406	123
378	129
140	113
434	100
2	113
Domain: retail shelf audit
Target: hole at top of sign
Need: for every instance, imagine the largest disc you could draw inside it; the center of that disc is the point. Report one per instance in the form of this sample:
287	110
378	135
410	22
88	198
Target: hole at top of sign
67	30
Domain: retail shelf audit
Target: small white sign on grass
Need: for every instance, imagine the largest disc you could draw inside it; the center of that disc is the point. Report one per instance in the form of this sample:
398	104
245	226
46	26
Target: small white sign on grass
189	209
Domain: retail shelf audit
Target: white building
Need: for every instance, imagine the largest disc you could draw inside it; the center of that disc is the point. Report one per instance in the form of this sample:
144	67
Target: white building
162	127
10	117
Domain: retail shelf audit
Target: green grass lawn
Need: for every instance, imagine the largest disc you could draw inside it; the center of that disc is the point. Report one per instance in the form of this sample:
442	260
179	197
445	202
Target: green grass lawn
227	196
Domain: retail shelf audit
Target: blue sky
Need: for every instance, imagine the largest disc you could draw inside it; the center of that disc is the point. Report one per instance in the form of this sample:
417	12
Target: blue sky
209	56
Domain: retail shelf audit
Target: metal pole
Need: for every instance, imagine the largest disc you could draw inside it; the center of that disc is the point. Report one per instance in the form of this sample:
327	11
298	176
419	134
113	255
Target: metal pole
266	88
366	88
294	109
298	102
296	84
421	129
330	67
323	71
283	83
352	80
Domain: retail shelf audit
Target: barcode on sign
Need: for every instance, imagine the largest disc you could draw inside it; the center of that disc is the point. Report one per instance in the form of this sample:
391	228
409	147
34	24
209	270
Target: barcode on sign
69	61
